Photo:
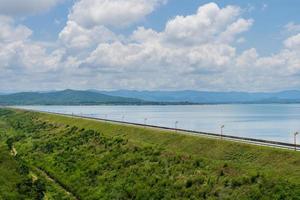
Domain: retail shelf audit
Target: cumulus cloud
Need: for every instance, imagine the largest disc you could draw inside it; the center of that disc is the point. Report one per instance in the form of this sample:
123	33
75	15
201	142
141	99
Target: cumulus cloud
210	23
293	42
116	13
278	71
189	44
240	26
10	32
195	51
89	21
292	27
19	53
25	7
76	37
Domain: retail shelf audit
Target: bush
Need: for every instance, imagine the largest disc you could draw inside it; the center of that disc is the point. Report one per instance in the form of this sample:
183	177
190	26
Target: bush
23	169
10	142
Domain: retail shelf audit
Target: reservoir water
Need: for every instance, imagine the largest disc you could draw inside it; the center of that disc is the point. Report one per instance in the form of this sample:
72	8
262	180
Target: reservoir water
275	122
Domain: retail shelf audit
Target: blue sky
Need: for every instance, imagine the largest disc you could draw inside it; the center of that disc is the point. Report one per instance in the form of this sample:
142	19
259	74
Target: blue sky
155	44
266	34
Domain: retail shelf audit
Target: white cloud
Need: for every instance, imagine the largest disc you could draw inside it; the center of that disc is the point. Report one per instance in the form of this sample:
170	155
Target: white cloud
116	13
292	27
236	28
194	46
275	72
143	35
25	57
247	58
10	32
210	23
25	7
20	53
203	26
156	57
74	36
195	51
190	44
293	42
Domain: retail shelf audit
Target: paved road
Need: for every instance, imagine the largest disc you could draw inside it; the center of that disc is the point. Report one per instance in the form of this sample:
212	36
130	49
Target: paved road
254	141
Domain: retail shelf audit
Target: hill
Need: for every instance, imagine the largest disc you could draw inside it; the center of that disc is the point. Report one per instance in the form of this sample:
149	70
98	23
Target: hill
66	97
132	97
75	158
209	97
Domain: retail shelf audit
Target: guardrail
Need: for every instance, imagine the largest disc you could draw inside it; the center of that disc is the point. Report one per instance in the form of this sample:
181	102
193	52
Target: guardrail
227	137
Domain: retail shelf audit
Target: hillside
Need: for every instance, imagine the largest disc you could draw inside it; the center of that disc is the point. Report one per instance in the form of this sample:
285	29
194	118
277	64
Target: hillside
88	159
209	97
66	97
131	97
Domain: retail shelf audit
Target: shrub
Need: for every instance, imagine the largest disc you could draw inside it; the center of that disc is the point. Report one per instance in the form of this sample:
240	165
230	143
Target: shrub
10	142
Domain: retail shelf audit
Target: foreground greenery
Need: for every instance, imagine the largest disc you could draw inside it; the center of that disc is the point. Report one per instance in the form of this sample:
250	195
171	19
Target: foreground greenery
54	157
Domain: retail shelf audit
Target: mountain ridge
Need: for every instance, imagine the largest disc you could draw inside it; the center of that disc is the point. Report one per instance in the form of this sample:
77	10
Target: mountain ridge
193	96
65	97
135	97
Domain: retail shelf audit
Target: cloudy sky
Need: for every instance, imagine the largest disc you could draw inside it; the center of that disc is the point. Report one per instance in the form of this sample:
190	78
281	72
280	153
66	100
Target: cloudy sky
149	45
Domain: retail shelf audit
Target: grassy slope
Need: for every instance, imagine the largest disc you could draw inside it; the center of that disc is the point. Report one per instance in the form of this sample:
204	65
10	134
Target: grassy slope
276	161
10	178
126	162
11	175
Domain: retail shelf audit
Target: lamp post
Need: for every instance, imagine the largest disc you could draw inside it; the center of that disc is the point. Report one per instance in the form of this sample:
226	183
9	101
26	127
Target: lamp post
295	140
176	125
222	127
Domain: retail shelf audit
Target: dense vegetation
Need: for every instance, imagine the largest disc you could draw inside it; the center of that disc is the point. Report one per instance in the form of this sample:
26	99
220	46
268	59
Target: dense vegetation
18	180
85	159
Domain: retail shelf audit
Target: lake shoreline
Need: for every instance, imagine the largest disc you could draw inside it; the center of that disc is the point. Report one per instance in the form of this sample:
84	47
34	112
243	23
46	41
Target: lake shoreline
273	122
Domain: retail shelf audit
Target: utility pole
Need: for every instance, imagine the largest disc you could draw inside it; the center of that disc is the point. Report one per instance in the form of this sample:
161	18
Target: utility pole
295	140
222	127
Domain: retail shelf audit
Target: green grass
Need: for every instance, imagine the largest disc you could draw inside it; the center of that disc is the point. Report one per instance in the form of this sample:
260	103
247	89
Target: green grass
98	160
9	176
18	179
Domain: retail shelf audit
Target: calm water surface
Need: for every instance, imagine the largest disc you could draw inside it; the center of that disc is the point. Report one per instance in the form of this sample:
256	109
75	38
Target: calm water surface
275	122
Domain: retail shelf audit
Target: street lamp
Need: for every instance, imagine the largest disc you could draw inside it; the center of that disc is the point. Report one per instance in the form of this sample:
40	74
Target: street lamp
176	124
222	127
295	140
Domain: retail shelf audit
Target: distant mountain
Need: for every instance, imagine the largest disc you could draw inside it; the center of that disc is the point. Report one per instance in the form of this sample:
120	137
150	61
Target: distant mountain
208	97
132	97
66	97
3	93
